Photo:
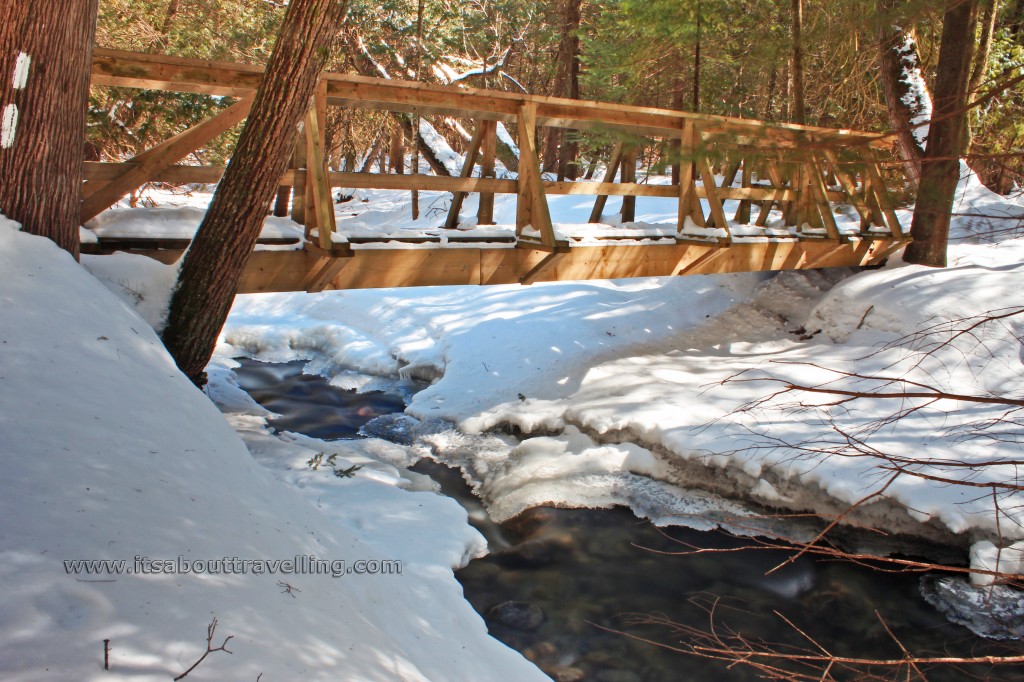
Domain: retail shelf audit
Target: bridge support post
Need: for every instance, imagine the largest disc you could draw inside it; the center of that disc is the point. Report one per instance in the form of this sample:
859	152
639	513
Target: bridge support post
485	213
452	222
531	206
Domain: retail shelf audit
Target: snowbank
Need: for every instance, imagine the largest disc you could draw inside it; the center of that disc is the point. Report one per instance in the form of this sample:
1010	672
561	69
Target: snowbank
110	453
642	361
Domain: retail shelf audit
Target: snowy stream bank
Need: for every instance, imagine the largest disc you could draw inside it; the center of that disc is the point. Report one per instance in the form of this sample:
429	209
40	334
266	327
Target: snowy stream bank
554	578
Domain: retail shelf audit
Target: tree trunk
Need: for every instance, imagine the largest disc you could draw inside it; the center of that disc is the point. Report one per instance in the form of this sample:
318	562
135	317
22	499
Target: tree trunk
799	113
569	56
558	150
940	165
696	63
397	152
1017	20
213	265
415	166
990	10
898	61
45	58
675	145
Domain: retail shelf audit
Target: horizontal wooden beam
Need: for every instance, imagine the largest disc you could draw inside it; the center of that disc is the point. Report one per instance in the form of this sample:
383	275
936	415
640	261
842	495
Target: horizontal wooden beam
160	72
212	174
95	170
427	183
405	267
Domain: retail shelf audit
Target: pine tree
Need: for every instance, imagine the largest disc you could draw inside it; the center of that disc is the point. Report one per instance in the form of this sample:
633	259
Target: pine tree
940	166
214	263
45	58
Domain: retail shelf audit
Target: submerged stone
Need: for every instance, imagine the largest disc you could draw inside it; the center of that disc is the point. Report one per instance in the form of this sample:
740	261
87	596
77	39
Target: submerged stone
401	428
995	612
518	615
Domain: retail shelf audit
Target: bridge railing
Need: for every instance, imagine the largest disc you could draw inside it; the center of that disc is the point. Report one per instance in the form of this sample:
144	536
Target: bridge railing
802	170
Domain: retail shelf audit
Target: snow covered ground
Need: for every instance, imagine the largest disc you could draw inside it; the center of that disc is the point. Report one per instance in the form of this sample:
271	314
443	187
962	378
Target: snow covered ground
581	367
111	454
615	388
618	384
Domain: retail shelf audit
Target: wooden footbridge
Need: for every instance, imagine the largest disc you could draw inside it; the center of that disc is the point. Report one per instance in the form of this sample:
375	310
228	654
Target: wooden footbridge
795	174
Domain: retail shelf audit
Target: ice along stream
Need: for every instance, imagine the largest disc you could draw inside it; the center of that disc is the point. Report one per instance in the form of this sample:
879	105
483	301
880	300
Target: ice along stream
563	585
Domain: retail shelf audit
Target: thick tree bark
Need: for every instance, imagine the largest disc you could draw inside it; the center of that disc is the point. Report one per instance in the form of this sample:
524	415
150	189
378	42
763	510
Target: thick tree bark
45	56
675	144
990	10
940	166
696	62
569	56
799	113
213	265
897	57
559	152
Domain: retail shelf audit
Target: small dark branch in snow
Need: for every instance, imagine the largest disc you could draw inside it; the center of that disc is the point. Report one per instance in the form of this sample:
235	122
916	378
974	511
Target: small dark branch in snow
211	629
106	654
288	589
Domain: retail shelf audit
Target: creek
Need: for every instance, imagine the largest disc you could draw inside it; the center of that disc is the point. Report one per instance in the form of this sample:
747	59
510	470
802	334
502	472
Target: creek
563	585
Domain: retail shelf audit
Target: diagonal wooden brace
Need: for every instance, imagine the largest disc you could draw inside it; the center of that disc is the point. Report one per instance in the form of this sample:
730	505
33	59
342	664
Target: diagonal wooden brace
154	160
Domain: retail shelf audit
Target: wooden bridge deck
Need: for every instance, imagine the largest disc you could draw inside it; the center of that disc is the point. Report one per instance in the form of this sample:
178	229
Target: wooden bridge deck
798	172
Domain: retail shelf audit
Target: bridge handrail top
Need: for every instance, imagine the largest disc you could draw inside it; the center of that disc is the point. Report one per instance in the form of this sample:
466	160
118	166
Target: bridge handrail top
504	104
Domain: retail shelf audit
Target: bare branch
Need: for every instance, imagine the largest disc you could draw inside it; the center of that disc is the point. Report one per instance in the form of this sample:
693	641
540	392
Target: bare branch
210	630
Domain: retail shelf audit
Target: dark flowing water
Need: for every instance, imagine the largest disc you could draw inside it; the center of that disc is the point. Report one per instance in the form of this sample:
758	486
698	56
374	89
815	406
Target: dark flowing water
564	579
308	404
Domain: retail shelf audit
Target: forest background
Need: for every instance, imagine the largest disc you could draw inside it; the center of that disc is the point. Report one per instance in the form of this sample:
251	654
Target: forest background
732	57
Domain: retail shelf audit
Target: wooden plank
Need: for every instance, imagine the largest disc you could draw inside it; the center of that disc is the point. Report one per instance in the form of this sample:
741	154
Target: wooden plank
299	162
821	194
711	190
881	194
452	221
313	216
372	268
609	176
151	161
323	203
320	276
532	206
426	183
687	190
127	69
743	212
848	185
837	246
212	174
540	268
889	250
703	261
207	175
485	212
778	180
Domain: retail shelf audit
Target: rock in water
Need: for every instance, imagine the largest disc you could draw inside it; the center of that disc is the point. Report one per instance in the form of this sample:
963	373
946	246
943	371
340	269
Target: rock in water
401	428
996	612
518	615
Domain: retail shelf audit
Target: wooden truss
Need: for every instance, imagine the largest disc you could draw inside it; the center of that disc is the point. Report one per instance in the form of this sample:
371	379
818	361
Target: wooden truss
802	170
